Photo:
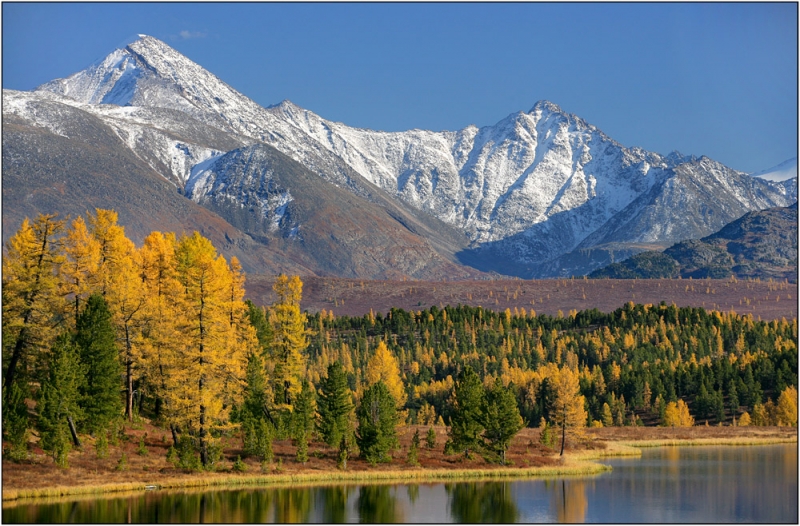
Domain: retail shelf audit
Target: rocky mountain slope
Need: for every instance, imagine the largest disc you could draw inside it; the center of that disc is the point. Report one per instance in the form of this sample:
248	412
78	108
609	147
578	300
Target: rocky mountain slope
541	193
760	244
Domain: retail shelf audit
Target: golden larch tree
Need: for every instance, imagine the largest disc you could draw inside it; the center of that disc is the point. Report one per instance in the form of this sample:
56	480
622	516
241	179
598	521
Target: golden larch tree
31	300
289	340
383	366
209	367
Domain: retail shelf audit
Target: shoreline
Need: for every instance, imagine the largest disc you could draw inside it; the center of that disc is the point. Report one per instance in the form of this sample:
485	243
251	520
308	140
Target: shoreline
577	463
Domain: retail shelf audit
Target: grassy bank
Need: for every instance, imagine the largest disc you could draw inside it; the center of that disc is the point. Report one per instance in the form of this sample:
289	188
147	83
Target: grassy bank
39	478
573	466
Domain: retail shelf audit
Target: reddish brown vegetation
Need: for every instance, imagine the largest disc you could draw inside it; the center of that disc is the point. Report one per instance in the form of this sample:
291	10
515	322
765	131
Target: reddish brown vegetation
353	297
525	451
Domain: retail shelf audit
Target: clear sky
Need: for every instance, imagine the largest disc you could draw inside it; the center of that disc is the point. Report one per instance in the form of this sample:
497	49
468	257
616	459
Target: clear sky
715	79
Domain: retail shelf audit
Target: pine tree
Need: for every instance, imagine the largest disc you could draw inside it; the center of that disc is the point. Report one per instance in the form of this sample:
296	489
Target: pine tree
500	418
413	450
377	422
303	420
95	338
15	424
31	302
260	323
430	438
257	426
466	427
118	279
59	399
605	415
335	405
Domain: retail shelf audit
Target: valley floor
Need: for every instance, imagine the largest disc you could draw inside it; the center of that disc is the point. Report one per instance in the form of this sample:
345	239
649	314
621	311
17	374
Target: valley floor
39	476
767	300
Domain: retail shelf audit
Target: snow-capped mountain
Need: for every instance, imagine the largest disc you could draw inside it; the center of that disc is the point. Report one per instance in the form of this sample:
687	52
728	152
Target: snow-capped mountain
527	192
782	172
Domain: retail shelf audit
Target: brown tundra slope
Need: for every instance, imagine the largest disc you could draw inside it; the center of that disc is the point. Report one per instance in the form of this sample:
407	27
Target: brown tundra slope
353	297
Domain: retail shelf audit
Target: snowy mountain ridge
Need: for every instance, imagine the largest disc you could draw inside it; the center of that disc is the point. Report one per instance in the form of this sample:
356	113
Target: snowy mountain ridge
534	187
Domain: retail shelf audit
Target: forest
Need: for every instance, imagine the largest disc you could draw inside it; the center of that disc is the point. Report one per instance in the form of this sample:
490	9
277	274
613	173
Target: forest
97	332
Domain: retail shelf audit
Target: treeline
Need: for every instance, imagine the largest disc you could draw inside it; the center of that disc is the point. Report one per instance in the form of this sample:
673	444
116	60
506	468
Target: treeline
96	330
631	363
92	325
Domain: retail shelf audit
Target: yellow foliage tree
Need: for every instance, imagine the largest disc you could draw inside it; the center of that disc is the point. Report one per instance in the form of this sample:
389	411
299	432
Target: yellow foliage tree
677	415
30	294
568	407
80	268
119	281
160	336
786	410
383	366
207	376
289	340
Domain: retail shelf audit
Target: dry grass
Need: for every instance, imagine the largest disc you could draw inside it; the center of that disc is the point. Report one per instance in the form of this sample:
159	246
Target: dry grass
88	475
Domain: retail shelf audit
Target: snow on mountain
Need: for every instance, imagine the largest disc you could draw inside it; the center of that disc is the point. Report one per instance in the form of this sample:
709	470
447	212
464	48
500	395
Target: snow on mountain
782	172
533	187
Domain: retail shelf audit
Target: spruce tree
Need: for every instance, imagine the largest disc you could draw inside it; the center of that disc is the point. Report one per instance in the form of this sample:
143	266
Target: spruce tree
500	417
95	338
413	450
430	438
303	420
377	421
59	399
335	404
466	427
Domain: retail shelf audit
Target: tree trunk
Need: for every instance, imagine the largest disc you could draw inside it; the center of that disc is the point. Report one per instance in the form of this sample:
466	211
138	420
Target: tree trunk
563	431
12	364
74	432
128	376
174	435
202	436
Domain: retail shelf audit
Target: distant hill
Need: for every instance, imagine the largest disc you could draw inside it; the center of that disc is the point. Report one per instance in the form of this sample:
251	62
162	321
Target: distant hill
760	244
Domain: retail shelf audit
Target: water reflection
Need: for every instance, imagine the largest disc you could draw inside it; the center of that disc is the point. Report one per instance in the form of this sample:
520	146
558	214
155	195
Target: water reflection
334	504
472	502
569	501
666	485
377	504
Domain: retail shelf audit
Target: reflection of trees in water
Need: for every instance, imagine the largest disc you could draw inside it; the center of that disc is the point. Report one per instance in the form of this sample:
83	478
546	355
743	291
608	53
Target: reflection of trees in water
292	505
569	501
377	504
413	493
334	503
472	502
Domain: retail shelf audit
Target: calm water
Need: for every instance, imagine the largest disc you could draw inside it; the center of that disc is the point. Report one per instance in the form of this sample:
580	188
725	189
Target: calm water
665	485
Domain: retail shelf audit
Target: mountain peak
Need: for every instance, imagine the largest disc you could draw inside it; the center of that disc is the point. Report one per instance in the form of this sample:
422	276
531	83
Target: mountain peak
543	105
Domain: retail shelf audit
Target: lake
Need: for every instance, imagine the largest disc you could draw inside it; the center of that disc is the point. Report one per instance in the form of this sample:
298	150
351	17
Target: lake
701	484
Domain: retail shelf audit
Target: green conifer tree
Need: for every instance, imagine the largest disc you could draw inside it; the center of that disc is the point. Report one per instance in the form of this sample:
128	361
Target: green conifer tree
466	427
377	420
95	338
335	405
500	418
59	399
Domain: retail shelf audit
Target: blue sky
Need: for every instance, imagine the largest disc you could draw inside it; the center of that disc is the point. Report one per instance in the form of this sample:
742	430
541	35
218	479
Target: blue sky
715	79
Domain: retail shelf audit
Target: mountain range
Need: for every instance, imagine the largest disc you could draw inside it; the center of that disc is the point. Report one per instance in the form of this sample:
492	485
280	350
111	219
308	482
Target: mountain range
761	244
542	193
